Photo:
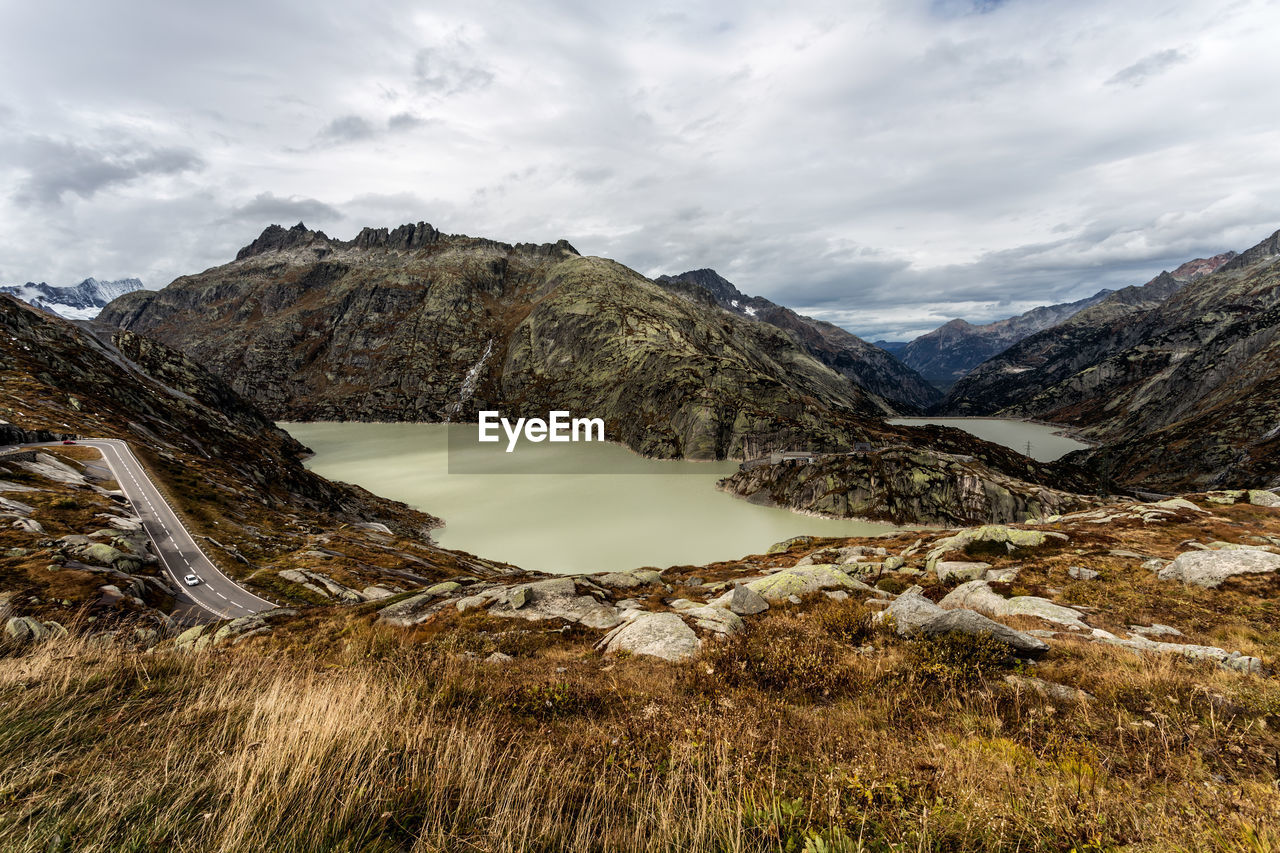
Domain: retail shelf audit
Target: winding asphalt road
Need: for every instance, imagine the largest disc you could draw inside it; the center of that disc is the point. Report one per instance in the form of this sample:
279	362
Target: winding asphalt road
216	594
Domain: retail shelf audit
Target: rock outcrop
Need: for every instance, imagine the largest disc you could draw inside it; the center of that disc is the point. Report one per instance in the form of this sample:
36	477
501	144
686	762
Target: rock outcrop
907	486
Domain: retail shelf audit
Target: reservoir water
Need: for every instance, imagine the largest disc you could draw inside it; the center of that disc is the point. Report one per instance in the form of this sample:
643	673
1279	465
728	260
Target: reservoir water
1046	444
565	508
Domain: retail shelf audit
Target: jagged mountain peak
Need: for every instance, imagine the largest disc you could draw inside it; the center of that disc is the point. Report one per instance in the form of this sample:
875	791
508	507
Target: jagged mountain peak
275	238
404	238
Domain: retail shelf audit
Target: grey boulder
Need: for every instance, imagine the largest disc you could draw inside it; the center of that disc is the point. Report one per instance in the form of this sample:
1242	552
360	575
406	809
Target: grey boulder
1211	568
660	635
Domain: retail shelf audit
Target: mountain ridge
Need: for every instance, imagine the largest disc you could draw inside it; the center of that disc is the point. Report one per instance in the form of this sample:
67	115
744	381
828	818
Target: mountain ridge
863	363
297	319
82	301
949	352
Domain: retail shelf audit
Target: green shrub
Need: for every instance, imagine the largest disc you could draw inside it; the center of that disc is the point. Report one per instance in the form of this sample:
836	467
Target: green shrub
893	584
957	657
846	622
787	653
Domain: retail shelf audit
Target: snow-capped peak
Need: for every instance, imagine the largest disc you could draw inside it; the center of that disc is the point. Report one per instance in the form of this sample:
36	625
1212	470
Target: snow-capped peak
80	301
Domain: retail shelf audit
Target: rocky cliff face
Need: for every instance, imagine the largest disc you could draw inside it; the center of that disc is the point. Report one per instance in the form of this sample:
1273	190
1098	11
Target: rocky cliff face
1183	393
1048	357
949	352
413	324
867	366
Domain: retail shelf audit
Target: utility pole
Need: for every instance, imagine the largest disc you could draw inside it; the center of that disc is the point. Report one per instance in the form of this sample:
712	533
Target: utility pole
1028	449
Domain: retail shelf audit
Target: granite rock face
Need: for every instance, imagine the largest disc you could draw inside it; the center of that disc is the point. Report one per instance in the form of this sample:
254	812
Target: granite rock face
660	635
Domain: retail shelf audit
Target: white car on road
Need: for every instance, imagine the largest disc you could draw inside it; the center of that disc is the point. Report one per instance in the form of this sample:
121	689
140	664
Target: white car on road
191	580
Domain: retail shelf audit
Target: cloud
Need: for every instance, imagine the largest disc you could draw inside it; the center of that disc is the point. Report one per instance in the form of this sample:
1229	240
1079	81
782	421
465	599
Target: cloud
348	128
268	208
404	121
449	69
885	164
1149	66
54	168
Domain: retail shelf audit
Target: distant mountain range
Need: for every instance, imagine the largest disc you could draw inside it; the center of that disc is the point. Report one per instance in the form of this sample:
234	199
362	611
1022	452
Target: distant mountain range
865	365
1179	378
80	301
946	354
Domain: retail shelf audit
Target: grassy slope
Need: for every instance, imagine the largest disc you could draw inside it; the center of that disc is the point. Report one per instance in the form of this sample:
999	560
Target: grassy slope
337	733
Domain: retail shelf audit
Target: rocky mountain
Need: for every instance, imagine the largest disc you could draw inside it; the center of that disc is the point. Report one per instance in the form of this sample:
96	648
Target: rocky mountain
237	481
414	324
80	301
1183	390
1041	360
867	366
949	352
894	348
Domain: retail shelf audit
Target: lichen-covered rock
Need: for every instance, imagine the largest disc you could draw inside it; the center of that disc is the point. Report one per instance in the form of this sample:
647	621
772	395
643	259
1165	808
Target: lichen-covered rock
24	629
978	596
745	601
910	485
718	620
557	598
1211	568
911	611
1013	538
788	544
960	570
660	635
1212	654
186	641
257	624
1048	689
627	580
969	622
801	581
411	611
1261	497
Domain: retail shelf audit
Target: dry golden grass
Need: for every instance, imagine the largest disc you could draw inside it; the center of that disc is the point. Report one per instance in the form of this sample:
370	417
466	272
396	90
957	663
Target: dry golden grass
378	742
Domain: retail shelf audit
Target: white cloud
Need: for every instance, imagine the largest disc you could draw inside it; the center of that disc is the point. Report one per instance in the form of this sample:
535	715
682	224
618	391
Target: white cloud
887	164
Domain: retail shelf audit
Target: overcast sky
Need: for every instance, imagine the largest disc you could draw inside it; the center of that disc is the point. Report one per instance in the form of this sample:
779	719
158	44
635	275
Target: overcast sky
886	165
